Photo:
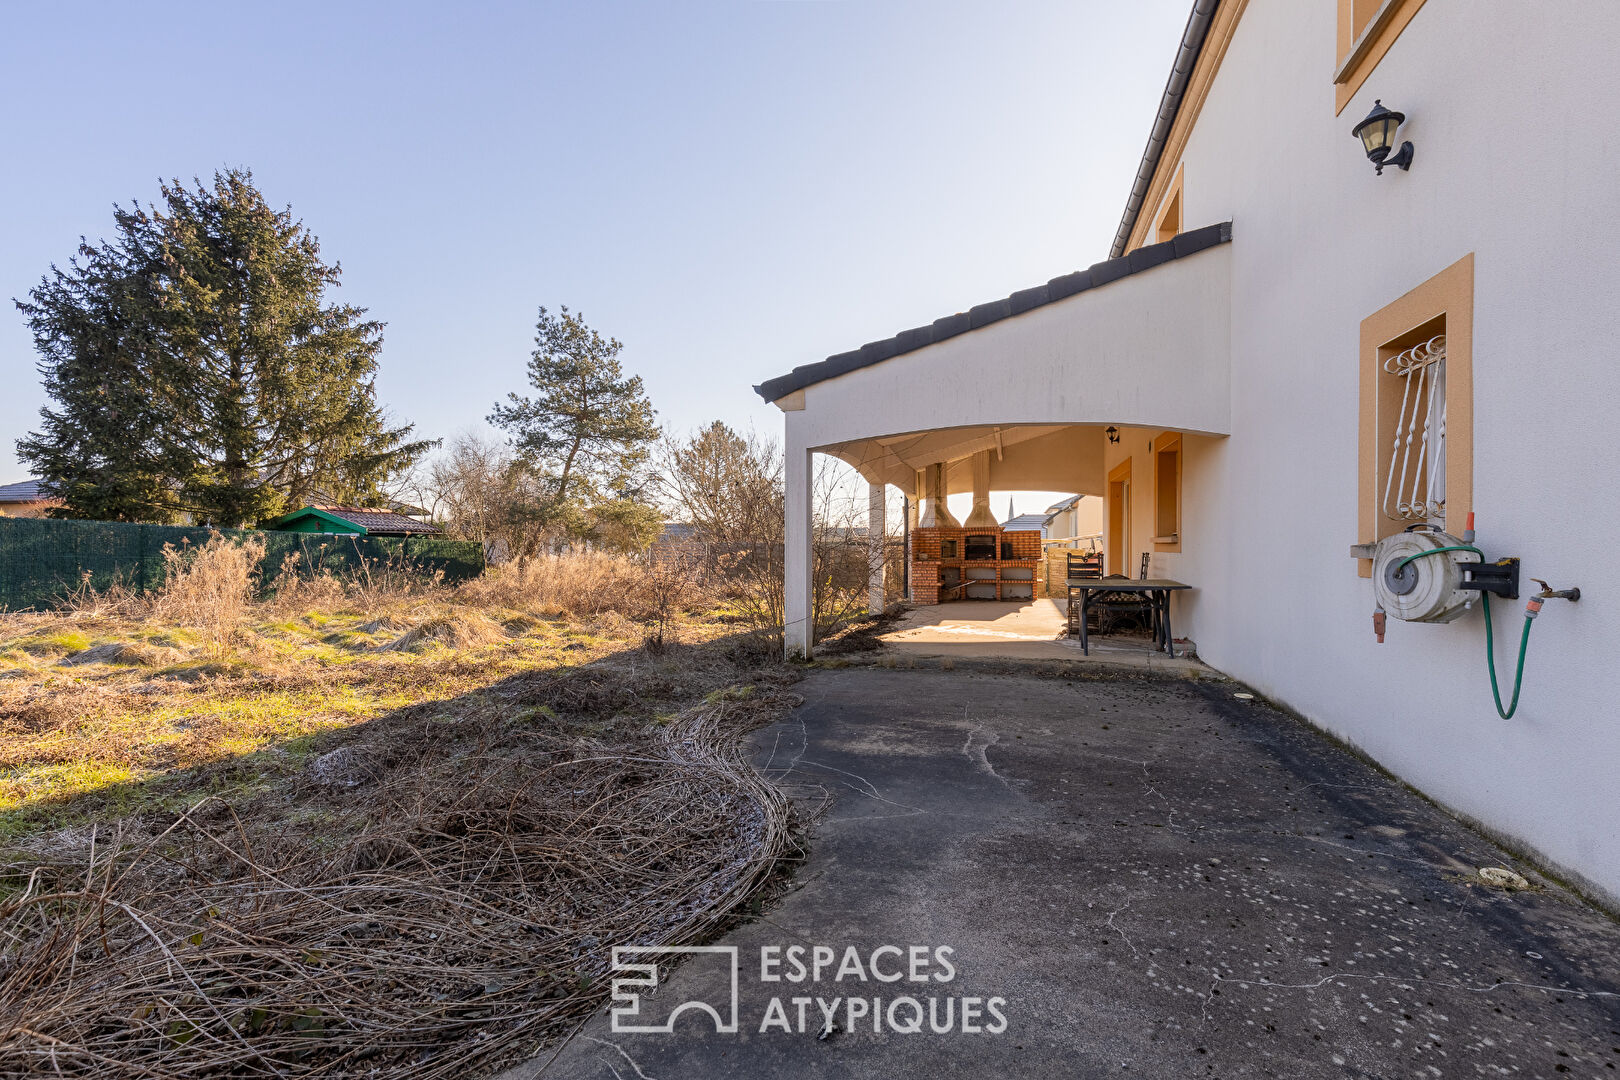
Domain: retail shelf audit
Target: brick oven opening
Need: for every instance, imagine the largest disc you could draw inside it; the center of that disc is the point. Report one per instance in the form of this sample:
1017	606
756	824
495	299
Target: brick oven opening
979	547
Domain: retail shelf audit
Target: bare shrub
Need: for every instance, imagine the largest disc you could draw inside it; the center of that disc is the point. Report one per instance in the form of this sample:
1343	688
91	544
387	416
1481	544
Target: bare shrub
673	586
211	589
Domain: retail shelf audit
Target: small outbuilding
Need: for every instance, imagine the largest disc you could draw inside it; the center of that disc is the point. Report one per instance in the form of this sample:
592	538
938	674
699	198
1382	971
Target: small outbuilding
351	521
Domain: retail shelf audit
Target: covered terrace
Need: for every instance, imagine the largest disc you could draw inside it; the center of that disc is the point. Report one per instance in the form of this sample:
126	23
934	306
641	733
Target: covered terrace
1021	394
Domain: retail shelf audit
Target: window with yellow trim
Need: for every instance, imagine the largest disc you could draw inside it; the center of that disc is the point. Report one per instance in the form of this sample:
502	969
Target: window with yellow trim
1417	402
1166	451
1367	29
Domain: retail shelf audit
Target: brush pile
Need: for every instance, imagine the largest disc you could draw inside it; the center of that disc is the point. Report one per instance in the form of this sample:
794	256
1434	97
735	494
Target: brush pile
445	912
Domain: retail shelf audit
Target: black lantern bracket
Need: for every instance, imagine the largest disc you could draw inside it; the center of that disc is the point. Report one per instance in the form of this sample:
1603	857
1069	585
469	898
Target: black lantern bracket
1402	158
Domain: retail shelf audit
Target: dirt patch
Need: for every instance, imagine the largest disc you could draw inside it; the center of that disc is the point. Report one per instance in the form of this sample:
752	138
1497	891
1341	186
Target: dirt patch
862	635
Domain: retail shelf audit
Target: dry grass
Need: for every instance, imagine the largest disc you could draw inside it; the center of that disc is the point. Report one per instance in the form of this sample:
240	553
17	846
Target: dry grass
367	831
210	589
581	583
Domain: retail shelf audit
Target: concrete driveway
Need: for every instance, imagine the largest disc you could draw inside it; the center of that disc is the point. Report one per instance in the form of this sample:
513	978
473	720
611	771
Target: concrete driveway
1155	878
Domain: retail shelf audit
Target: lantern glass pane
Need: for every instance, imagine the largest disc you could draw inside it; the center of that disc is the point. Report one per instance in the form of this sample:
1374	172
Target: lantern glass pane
1375	135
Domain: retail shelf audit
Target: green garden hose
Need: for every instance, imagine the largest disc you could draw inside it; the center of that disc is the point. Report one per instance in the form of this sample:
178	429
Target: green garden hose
1531	611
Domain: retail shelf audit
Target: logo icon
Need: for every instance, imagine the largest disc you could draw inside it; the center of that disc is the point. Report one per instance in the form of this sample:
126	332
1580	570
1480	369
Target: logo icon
641	982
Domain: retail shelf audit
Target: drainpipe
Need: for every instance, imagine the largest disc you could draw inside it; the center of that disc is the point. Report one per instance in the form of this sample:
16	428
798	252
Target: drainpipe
1192	43
905	546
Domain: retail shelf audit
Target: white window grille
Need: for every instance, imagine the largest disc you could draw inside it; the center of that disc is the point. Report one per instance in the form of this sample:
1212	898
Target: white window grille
1415	489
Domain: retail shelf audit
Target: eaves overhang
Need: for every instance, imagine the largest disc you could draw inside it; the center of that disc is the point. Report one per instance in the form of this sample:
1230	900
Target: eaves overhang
1059	288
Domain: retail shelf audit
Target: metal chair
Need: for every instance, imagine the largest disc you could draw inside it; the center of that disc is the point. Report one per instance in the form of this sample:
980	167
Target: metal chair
1109	606
1079	566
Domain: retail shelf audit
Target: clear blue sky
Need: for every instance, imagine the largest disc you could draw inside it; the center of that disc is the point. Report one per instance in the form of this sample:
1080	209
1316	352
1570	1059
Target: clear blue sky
729	188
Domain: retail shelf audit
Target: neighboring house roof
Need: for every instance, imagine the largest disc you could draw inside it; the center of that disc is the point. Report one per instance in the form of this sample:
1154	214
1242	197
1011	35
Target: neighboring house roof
1192	43
678	530
1059	507
26	491
1025	523
1143	258
352	518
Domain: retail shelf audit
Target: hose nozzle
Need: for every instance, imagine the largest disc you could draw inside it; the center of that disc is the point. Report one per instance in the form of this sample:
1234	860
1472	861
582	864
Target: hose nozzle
1378	624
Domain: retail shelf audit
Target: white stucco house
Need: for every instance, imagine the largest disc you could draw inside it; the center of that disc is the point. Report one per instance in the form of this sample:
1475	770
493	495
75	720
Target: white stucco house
1301	356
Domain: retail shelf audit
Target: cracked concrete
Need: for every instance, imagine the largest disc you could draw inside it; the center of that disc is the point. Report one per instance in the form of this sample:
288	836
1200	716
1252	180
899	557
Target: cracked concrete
1160	881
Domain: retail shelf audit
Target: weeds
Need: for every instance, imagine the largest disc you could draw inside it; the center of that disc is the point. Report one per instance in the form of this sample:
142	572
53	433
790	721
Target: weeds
212	589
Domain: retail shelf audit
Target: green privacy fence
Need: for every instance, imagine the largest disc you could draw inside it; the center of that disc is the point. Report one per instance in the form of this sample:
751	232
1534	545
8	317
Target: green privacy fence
42	560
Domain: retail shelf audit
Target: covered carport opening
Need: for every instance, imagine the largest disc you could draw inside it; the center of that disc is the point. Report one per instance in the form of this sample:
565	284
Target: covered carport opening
1038	391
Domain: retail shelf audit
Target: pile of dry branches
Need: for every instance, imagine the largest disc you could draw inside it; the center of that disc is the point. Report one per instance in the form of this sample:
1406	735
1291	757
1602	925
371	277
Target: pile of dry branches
460	913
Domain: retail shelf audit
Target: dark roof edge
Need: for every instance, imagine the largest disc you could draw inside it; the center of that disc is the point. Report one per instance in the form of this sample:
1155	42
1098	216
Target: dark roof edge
1143	258
1192	43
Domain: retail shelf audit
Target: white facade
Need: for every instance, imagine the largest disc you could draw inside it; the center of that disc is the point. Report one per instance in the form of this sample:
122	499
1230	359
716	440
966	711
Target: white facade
1251	349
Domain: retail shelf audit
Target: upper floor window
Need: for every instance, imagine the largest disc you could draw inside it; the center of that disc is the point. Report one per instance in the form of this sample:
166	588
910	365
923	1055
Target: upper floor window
1367	29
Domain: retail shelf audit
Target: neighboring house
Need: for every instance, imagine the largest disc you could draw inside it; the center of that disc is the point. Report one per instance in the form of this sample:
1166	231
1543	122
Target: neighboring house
25	500
1286	354
1026	523
351	520
1075	522
678	542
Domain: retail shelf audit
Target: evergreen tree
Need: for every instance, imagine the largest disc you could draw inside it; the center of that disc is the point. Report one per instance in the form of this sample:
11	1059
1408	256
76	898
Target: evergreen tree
586	432
196	367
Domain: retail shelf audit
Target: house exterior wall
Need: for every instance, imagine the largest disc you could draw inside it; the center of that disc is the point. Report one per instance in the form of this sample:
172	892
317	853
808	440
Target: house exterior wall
1509	106
35	508
1151	348
1084	518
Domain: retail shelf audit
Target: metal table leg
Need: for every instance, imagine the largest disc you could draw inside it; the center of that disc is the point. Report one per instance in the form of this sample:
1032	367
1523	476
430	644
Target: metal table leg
1085	609
1169	639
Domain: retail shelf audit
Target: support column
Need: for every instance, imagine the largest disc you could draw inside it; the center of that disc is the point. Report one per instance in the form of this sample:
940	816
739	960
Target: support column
876	541
797	630
981	516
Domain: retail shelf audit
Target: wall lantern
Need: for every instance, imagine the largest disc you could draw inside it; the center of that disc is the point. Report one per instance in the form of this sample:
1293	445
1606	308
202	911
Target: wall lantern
1377	135
1112	433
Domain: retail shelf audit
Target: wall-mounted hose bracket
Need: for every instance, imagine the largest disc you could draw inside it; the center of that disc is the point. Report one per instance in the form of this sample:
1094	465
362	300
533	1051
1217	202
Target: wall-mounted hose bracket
1499	578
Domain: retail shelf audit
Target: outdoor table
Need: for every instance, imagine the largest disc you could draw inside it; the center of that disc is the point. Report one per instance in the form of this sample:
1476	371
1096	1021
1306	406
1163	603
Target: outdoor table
1158	592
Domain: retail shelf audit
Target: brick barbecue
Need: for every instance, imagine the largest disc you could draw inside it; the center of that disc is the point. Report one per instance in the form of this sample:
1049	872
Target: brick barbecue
988	563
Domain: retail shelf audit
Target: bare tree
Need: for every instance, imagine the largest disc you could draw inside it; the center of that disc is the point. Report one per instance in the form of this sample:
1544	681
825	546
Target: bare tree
485	493
727	485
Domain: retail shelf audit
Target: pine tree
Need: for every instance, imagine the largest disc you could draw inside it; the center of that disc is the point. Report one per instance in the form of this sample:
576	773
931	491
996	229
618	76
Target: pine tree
586	432
205	334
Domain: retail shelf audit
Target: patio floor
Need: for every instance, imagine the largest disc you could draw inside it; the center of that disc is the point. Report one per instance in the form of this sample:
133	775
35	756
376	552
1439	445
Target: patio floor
1151	877
1018	630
